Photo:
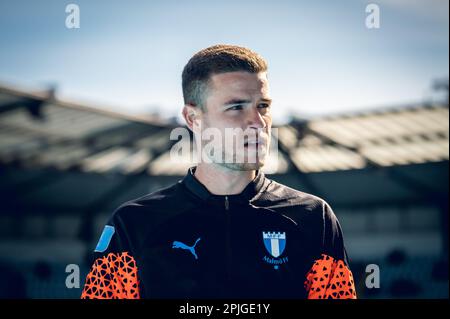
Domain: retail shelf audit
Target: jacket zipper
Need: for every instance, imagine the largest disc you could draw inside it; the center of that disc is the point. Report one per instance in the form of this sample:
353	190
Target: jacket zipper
228	238
227	203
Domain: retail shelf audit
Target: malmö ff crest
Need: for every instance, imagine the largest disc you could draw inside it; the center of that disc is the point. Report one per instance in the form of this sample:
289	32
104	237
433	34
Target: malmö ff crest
275	243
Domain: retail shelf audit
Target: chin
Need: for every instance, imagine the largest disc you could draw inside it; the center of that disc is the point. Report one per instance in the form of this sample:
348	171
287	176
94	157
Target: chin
244	166
248	163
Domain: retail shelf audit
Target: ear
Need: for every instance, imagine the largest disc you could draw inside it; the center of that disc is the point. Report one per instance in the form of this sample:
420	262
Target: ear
191	115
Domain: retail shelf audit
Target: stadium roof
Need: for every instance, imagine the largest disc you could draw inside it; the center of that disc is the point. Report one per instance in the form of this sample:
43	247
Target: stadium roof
409	135
39	130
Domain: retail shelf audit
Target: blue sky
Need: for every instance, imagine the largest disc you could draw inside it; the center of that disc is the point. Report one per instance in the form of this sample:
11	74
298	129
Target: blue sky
128	56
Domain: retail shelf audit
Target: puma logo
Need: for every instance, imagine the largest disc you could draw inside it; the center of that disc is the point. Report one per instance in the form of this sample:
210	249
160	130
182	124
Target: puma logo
179	244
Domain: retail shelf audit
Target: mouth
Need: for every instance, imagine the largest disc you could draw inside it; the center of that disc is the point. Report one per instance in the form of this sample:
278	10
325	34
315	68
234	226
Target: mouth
255	144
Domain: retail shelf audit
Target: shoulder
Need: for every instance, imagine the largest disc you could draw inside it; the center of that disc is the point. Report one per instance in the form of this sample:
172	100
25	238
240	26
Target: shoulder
283	195
134	220
304	208
165	202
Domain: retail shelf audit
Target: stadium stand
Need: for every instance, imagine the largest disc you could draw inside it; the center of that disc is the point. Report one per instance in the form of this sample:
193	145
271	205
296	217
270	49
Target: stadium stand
65	167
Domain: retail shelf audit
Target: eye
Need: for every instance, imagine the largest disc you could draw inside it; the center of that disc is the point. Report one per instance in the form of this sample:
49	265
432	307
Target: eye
263	105
235	107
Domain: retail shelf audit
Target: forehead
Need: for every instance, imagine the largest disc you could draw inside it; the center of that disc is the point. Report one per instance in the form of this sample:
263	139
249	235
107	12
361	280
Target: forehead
240	83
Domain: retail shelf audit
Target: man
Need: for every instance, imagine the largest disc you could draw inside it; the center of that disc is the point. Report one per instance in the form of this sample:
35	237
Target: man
225	230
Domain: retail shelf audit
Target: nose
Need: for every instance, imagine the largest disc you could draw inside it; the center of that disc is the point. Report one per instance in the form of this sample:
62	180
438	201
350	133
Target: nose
256	120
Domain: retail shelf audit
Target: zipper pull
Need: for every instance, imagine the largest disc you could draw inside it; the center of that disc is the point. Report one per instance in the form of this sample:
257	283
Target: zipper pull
227	204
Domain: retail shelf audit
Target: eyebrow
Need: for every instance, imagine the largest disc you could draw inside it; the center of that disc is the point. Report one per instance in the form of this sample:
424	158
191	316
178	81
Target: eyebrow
237	101
266	100
241	101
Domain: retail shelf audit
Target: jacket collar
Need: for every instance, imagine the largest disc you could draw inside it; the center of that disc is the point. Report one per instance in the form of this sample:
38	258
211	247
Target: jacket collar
256	186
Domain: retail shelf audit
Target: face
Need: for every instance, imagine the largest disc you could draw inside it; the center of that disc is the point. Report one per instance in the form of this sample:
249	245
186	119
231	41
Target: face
238	108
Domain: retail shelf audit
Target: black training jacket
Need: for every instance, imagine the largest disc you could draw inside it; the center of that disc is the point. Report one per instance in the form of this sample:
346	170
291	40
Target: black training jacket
270	241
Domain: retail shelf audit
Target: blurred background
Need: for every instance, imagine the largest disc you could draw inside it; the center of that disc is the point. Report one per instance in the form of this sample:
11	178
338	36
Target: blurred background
361	115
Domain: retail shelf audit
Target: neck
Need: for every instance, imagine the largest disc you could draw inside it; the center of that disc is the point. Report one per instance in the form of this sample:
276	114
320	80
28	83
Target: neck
222	181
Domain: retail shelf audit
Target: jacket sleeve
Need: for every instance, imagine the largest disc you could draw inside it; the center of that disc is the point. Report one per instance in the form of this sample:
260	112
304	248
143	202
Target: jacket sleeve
113	274
330	276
